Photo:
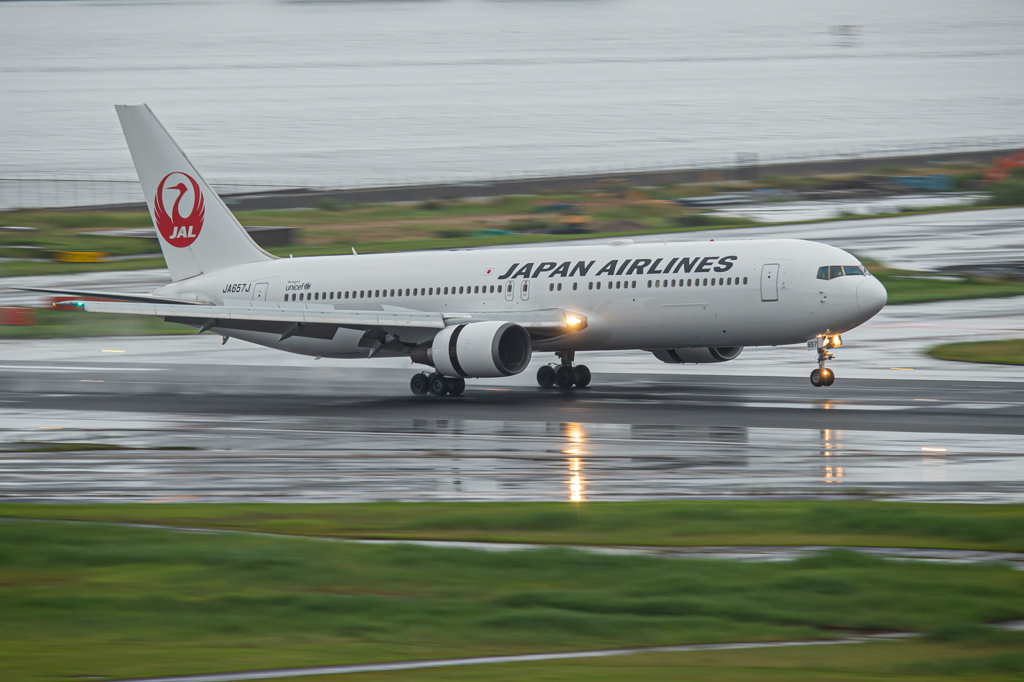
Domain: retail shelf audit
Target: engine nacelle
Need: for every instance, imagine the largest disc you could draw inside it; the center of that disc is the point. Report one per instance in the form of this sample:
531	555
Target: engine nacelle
478	349
697	355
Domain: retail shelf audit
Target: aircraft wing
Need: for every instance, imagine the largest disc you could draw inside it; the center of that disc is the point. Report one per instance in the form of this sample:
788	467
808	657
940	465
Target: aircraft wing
324	322
109	295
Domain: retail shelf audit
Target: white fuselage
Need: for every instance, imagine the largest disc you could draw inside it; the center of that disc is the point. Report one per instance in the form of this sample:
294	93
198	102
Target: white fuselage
633	296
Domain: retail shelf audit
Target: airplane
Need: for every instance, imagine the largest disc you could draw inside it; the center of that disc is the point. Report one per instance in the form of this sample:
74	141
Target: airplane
483	313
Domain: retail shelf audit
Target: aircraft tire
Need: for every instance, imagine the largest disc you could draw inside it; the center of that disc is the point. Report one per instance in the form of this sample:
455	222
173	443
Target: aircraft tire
545	376
830	377
419	384
565	377
583	377
816	379
438	384
456	387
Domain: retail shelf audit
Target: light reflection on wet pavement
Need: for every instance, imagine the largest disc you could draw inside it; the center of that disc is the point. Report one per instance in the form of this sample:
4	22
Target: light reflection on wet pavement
316	459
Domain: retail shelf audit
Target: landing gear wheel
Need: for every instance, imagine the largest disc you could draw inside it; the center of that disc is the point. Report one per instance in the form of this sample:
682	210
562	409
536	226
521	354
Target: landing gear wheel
419	384
565	377
828	376
582	378
456	387
438	385
546	376
817	380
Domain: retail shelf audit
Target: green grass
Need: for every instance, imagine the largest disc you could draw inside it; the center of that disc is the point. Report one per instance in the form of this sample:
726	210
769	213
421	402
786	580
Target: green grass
1005	352
84	600
26	268
906	287
999	657
53	323
668	524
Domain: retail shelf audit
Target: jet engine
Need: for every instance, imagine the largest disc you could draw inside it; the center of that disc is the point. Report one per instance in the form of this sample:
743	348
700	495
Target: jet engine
697	355
477	349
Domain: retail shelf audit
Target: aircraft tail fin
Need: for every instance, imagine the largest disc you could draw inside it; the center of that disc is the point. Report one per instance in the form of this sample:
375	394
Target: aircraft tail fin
197	232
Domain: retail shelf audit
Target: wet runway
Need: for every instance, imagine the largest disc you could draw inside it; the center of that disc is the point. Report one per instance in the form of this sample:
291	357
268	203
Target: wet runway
243	432
185	418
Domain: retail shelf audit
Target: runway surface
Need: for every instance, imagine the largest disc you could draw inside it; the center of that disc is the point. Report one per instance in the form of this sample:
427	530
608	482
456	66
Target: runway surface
198	421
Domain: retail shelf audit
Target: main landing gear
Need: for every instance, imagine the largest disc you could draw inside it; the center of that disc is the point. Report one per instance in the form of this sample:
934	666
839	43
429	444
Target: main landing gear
437	385
823	376
564	375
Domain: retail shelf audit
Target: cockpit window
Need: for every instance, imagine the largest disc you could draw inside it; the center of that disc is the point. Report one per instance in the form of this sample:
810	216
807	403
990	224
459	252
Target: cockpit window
833	271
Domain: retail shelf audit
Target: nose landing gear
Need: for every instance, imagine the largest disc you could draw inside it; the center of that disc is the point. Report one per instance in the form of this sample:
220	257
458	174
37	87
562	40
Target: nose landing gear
565	375
823	376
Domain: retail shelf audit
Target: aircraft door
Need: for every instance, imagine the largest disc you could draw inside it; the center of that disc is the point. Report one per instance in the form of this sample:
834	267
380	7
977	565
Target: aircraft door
260	292
524	290
510	290
770	282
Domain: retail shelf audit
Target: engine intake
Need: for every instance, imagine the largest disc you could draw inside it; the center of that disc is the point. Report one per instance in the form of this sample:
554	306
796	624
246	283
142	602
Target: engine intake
478	349
698	355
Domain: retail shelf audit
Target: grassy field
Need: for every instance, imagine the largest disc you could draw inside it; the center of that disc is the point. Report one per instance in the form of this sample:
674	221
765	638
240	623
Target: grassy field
907	287
53	323
84	601
1005	352
667	524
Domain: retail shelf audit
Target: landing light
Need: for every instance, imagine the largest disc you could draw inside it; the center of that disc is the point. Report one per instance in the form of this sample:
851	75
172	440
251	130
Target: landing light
573	321
834	341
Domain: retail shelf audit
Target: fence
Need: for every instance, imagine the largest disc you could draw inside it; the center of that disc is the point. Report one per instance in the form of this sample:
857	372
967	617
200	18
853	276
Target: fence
19	190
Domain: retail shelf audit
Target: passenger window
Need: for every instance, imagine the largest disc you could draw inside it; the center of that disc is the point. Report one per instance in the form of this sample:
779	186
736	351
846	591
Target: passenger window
590	285
599	285
574	286
823	272
559	286
634	284
744	280
551	287
852	270
835	271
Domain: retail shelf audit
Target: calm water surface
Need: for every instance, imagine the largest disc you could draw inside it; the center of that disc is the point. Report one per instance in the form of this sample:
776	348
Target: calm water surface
357	93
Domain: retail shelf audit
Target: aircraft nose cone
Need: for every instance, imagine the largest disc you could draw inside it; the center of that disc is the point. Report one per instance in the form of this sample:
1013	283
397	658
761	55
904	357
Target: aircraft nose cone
871	296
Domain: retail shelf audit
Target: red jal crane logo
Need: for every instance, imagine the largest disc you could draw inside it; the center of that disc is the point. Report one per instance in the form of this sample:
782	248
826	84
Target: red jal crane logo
176	229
